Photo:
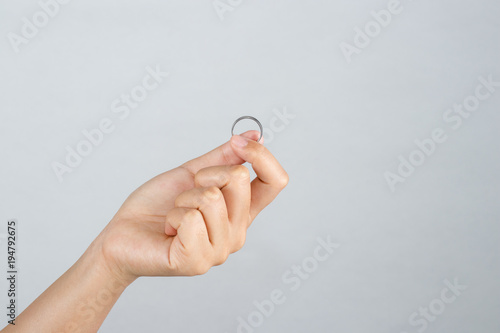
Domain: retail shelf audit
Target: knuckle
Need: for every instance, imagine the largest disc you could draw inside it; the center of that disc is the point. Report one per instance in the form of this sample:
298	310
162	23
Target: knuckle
219	261
191	214
221	178
178	202
282	180
201	176
222	257
240	172
198	177
239	241
211	194
201	268
196	266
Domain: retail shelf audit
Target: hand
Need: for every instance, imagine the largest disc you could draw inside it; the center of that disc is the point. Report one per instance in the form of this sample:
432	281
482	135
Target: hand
186	220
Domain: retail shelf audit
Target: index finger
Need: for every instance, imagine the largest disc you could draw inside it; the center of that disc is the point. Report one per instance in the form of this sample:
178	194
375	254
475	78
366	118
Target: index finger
222	155
271	177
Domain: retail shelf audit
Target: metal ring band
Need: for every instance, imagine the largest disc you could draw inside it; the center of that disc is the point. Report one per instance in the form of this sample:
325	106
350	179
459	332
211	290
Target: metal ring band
251	118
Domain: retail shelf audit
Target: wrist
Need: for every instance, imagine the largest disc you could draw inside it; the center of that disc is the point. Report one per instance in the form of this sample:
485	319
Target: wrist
105	265
80	299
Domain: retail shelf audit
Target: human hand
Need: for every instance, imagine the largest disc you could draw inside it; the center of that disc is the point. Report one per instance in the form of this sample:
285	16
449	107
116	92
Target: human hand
188	219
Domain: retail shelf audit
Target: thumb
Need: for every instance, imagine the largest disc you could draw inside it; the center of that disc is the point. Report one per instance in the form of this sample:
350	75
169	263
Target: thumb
222	155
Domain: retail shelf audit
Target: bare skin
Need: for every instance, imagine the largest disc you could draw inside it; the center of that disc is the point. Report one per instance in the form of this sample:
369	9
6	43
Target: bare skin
180	223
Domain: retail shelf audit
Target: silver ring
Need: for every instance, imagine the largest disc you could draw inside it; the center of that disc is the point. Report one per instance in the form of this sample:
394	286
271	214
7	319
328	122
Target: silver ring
251	118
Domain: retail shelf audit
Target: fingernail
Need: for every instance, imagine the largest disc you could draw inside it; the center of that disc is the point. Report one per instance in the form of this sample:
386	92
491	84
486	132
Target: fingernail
239	141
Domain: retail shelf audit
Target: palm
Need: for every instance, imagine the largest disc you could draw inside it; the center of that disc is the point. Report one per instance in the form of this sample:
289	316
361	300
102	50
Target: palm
142	241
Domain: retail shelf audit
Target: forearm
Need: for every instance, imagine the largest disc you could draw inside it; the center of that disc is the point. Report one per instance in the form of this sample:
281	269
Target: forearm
78	301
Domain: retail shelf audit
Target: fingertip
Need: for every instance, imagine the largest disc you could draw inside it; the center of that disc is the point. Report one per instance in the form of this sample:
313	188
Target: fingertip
253	135
239	141
169	230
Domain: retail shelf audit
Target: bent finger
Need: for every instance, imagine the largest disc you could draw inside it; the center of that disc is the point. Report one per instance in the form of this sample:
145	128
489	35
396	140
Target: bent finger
271	177
222	155
210	202
189	226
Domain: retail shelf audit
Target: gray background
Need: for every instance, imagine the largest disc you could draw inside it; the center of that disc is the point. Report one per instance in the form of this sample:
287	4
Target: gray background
351	123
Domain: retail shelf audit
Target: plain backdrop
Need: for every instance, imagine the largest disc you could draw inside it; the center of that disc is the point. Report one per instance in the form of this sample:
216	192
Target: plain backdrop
351	122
